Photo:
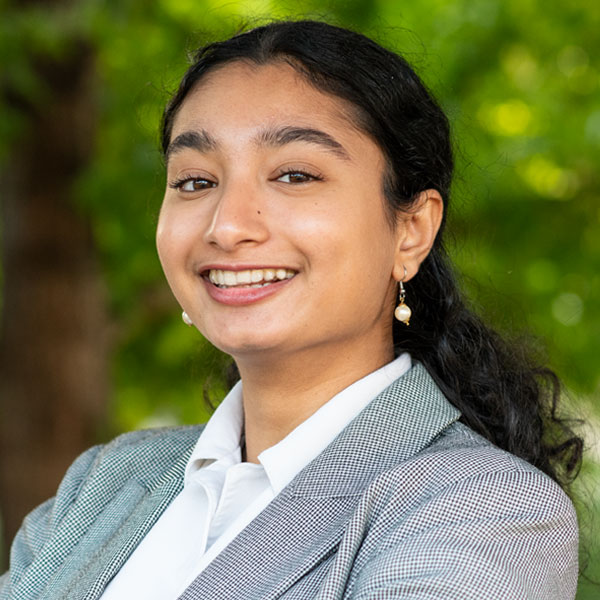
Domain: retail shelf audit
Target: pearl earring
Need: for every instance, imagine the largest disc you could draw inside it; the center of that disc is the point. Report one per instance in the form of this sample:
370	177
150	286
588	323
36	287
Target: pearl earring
402	312
186	319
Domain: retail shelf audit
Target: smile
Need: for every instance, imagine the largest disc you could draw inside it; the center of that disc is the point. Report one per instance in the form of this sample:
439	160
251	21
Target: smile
250	278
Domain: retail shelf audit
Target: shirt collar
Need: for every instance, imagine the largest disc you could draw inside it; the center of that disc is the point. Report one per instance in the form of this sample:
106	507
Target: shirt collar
221	436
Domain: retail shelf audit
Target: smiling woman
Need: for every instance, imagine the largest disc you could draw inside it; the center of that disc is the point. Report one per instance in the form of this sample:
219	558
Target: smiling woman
308	175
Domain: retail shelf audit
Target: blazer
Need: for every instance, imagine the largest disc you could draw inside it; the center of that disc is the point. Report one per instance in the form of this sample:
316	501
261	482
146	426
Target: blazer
406	502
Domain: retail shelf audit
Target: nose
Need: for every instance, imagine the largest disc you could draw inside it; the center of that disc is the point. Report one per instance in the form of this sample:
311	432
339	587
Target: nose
237	219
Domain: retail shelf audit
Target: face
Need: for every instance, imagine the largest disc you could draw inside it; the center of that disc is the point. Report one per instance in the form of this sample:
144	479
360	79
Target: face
273	233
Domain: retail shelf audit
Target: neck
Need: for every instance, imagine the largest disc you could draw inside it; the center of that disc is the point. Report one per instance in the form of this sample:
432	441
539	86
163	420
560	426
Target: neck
282	392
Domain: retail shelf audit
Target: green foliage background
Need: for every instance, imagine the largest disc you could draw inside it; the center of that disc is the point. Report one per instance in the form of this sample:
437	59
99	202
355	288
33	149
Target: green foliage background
520	80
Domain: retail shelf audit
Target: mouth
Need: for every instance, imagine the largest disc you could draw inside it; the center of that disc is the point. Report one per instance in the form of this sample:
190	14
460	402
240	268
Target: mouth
249	278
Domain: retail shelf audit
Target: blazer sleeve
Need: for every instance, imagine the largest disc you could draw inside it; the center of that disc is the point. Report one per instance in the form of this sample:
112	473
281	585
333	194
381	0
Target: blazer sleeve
39	526
509	535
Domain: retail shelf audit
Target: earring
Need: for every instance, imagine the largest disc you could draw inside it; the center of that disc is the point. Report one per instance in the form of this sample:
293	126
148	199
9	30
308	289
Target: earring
402	312
186	319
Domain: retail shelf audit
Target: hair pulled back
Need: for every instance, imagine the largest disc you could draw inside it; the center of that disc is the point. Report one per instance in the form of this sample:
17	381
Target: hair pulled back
500	393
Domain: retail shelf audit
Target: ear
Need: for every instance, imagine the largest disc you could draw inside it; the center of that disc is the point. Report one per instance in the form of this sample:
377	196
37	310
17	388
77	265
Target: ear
416	230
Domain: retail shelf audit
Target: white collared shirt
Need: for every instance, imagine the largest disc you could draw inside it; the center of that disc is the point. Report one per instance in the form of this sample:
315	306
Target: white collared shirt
221	494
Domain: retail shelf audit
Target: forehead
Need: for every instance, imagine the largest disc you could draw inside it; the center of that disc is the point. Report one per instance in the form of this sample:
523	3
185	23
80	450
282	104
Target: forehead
242	93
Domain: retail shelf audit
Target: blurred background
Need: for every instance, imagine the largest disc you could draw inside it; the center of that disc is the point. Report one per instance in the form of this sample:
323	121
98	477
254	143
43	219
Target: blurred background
92	343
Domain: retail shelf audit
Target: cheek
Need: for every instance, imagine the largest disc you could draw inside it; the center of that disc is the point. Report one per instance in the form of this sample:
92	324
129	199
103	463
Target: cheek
163	242
368	261
171	240
356	264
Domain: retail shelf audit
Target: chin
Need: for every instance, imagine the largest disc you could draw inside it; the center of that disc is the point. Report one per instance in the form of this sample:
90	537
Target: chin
251	352
240	345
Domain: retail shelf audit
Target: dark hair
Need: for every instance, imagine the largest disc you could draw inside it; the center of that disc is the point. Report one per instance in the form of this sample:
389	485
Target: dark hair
500	393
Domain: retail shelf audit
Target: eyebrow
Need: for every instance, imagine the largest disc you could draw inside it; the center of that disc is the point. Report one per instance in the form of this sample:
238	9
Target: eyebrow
196	140
202	141
281	136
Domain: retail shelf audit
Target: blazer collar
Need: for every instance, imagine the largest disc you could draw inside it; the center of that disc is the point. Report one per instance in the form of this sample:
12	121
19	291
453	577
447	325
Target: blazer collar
398	423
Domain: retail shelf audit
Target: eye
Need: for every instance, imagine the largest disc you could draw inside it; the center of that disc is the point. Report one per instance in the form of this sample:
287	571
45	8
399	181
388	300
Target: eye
296	176
192	184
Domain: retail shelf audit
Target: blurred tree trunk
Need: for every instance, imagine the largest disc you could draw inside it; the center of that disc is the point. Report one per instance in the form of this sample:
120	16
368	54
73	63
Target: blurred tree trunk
53	350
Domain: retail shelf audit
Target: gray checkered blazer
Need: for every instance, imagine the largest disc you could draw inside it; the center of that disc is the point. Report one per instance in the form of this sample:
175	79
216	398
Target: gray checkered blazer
405	503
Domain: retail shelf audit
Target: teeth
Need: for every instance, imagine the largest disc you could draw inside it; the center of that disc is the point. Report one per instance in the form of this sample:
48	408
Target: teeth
244	277
229	278
250	278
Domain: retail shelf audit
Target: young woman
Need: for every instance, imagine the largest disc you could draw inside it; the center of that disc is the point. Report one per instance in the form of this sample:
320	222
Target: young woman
383	442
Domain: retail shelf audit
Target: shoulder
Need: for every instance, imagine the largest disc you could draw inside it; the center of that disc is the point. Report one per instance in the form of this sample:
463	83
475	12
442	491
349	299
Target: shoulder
462	477
145	453
464	515
142	455
461	459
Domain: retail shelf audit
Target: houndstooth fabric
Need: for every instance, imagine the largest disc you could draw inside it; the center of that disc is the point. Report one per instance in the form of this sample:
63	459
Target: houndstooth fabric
406	503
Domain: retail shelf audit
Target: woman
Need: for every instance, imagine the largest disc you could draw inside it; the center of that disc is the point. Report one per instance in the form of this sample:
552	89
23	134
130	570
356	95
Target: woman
372	450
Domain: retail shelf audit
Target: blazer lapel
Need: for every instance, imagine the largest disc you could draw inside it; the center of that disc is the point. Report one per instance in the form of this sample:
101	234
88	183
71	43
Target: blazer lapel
118	528
306	521
104	564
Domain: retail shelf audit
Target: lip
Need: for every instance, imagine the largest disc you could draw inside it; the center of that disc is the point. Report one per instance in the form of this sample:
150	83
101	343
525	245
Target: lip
242	296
